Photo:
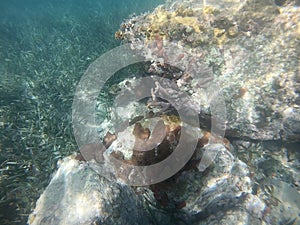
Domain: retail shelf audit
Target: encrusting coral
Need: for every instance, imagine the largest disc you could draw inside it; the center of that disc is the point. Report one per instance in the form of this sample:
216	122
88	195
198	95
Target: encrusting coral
192	26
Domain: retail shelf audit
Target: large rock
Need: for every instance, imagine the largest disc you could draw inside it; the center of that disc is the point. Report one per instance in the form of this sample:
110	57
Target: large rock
78	195
249	51
226	193
223	194
252	52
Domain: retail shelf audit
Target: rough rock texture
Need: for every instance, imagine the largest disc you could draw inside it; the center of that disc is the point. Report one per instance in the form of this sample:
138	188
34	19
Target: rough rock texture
221	195
225	193
274	167
249	52
252	50
78	195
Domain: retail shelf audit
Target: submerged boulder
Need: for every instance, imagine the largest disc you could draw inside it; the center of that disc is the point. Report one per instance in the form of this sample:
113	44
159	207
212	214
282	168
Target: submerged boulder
251	50
79	195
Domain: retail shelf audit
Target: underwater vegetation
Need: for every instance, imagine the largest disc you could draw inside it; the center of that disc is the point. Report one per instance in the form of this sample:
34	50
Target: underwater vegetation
44	49
251	51
234	187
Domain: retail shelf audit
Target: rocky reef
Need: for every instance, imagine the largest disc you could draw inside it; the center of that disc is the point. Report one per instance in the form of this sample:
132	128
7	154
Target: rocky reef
252	50
78	195
233	65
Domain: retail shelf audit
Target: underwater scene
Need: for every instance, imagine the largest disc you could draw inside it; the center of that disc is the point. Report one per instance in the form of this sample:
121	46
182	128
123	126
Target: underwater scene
161	112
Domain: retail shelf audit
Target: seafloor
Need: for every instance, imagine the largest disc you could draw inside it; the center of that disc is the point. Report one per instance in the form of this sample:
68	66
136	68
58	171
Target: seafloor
45	47
245	166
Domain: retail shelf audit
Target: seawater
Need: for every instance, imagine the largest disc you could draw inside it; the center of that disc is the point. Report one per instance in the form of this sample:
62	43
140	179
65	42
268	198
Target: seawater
45	47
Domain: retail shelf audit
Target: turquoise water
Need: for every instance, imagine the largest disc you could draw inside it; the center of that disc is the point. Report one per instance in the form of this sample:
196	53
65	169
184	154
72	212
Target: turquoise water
45	47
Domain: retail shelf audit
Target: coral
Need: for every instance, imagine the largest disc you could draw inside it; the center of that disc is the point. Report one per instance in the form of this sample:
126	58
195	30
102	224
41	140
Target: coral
251	53
196	27
162	19
210	10
184	11
187	21
119	35
172	121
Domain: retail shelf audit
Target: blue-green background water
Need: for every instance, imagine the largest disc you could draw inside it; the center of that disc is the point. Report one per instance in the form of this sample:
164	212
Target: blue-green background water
45	47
